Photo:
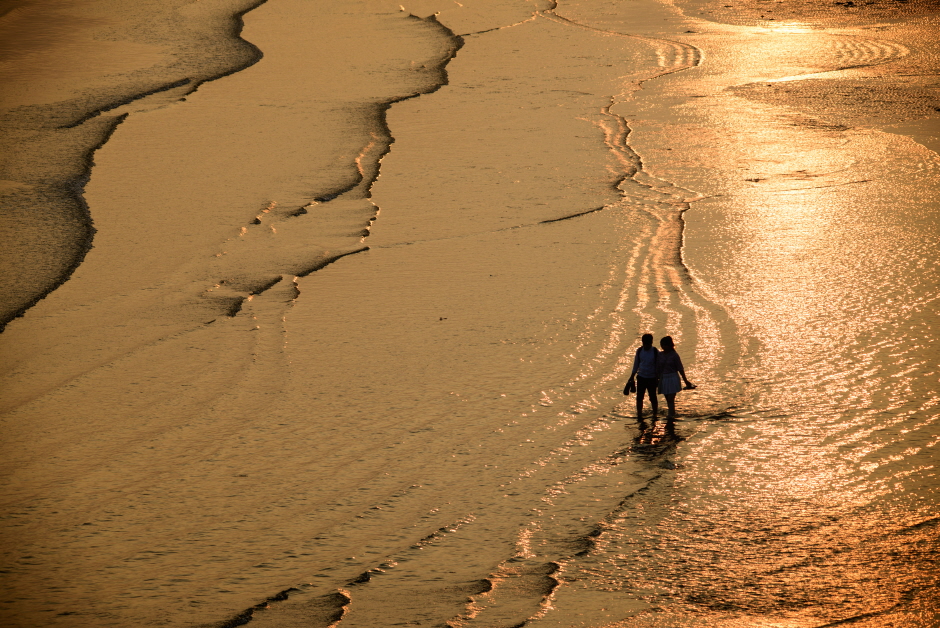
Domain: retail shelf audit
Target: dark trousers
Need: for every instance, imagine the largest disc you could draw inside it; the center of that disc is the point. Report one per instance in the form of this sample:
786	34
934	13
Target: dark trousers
646	383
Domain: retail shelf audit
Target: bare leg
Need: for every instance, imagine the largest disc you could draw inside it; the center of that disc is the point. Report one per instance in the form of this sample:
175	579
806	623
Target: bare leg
654	401
671	402
639	404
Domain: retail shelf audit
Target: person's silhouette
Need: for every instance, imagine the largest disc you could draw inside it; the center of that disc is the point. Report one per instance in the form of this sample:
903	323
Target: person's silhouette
669	369
645	372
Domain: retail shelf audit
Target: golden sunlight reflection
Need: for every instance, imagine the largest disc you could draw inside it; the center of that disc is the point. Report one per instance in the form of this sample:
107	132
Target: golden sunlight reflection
787	27
815	500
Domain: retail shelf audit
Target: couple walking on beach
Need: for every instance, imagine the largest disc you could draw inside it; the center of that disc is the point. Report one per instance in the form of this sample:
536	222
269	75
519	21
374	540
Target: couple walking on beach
654	369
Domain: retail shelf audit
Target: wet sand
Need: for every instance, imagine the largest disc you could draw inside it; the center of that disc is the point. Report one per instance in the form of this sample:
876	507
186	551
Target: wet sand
350	336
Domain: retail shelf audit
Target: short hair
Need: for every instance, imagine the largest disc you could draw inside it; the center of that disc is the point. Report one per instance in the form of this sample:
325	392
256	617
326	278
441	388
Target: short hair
647	338
666	342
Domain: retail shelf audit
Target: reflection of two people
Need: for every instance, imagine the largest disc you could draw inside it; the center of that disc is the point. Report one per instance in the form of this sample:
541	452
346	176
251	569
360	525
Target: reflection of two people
654	369
653	438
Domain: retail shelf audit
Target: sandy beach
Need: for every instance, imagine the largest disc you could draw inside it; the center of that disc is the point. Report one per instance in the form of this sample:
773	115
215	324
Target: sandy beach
319	314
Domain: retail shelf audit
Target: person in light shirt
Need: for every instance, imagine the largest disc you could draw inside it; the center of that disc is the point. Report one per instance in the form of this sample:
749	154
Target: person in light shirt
645	371
669	368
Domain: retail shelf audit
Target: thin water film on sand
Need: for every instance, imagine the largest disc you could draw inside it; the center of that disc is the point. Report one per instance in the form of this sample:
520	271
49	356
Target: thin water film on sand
348	344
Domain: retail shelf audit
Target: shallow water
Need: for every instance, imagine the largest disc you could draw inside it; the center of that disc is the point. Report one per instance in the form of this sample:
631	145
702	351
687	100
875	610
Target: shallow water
350	341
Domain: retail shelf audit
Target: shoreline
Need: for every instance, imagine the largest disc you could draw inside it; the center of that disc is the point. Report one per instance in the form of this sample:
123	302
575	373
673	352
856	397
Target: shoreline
35	130
178	397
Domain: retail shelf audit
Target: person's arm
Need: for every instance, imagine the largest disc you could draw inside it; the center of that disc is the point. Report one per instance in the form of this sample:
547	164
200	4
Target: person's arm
681	370
636	365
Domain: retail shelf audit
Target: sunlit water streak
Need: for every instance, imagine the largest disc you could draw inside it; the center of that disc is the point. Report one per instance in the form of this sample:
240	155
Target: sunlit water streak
814	499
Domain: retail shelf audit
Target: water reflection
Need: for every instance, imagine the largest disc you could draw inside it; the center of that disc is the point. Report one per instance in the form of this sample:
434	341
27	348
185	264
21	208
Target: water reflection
787	27
655	439
815	500
773	518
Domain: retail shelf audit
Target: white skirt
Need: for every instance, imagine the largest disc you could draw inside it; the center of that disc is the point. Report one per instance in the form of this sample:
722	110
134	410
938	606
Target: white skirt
670	384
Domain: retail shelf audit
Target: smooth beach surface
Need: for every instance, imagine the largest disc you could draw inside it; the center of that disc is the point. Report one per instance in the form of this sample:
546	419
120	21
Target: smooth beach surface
325	319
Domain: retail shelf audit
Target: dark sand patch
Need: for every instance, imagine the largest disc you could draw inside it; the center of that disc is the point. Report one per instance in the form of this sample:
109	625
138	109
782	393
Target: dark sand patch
867	101
826	13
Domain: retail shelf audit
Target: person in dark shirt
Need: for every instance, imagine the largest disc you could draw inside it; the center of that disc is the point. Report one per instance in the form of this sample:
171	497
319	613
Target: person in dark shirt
670	368
645	371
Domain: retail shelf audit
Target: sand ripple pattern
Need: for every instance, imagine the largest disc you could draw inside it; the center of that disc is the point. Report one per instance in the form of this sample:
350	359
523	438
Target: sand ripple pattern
671	56
674	56
857	53
523	565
